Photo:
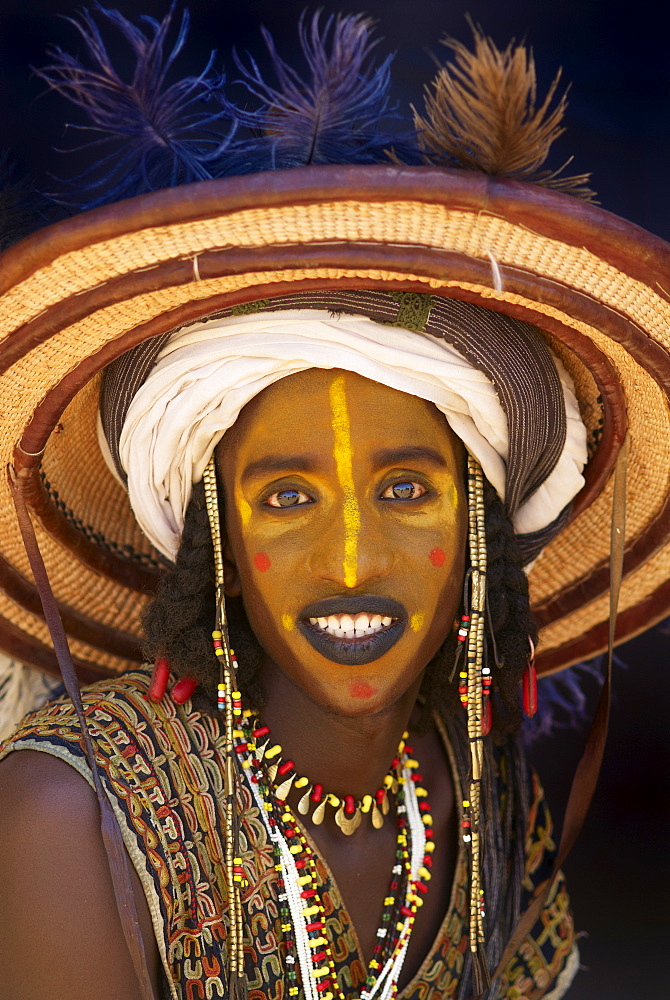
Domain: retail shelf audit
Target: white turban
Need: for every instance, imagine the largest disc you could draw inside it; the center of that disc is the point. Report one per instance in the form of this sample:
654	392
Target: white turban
208	371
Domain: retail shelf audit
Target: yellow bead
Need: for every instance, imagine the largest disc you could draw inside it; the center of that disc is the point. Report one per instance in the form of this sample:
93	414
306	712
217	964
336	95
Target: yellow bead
399	926
388	781
466	804
305	880
295	849
427	819
333	799
268	806
420	793
273	751
388	900
425	874
430	847
301	782
293	991
237	711
366	804
412	763
238	733
246	764
236	694
218	652
310	911
317	973
217	634
317	942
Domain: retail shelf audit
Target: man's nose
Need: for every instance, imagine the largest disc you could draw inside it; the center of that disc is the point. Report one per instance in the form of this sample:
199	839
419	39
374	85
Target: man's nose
352	551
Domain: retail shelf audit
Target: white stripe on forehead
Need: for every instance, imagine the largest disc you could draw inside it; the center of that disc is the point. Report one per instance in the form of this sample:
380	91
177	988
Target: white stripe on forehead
207	372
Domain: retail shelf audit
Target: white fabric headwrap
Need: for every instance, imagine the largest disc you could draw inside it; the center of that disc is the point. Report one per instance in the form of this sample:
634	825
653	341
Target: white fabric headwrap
208	371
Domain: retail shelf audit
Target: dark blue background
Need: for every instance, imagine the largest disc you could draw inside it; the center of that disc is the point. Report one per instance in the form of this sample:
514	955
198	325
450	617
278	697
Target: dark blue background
616	57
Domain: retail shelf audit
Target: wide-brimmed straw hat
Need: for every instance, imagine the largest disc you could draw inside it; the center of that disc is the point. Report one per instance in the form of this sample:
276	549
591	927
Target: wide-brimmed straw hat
78	294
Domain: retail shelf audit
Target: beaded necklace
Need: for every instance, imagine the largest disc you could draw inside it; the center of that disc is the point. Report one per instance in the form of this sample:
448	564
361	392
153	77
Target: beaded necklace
349	811
301	908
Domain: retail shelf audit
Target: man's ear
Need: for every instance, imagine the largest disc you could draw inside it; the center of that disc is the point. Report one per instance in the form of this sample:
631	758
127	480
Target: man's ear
231	578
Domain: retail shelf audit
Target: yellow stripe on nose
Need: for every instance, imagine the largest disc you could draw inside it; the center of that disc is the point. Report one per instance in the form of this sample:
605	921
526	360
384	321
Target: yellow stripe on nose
343	461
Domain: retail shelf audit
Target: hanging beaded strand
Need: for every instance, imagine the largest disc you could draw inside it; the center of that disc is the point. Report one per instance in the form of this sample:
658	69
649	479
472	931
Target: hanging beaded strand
477	683
229	702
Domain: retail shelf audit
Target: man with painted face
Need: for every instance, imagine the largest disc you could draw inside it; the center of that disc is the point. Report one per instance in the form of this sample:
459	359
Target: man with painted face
331	416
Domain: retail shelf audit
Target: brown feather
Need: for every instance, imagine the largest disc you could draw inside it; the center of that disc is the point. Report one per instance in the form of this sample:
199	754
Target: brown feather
481	113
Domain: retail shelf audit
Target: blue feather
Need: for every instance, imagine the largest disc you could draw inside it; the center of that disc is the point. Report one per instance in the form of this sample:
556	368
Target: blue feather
152	134
337	115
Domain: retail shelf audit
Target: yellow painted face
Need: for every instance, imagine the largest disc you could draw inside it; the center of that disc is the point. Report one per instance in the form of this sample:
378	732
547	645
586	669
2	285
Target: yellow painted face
345	512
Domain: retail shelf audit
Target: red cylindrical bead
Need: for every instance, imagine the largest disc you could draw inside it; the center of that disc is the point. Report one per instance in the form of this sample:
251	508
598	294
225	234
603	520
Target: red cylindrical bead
487	718
287	766
349	805
530	691
379	795
183	690
261	731
317	793
159	679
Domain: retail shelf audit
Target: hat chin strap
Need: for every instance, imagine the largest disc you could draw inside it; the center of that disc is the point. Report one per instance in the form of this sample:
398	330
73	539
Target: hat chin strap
117	857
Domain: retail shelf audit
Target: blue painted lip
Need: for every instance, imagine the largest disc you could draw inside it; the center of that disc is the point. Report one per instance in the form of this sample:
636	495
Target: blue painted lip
353	652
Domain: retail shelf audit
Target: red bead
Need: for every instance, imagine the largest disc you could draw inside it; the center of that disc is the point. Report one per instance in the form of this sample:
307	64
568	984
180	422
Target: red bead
183	690
317	793
409	749
287	766
316	926
424	807
261	731
429	834
405	910
349	805
319	957
428	860
308	893
379	795
324	985
421	886
487	718
530	691
417	777
300	864
159	679
241	747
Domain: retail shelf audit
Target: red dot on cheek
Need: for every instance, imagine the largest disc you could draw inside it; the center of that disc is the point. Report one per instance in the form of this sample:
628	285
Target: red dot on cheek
262	562
437	557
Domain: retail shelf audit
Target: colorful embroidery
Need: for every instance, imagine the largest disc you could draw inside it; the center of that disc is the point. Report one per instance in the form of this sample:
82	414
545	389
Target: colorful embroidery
163	765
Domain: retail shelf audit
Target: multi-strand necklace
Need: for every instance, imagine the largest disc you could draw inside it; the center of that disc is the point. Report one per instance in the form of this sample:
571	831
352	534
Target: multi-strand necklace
302	914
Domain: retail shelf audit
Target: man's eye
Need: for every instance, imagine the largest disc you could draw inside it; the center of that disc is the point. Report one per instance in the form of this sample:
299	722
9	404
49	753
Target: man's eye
287	498
404	490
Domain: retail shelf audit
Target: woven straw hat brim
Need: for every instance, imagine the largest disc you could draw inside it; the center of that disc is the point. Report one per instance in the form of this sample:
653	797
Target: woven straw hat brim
77	295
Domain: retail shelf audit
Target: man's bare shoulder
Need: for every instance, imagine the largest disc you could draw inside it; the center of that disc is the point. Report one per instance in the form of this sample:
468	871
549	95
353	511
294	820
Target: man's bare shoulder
62	936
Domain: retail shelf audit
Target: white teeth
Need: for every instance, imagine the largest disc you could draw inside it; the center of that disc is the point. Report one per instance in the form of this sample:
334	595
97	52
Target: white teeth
348	627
